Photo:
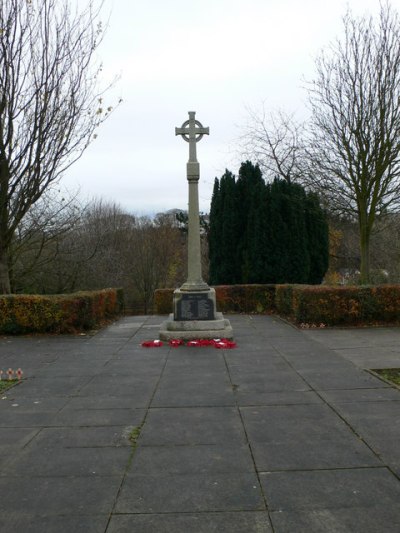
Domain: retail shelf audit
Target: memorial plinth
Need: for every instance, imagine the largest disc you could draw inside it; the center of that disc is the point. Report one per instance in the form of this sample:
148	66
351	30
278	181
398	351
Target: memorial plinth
194	304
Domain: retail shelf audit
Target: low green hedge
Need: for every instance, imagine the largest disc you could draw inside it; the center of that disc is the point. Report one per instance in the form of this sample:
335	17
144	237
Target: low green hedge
305	304
64	313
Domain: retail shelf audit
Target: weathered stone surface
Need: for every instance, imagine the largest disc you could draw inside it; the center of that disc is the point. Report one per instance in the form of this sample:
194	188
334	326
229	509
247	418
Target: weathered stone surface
220	328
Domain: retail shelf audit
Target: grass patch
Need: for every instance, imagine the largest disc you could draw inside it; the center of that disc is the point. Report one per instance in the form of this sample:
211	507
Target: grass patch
133	436
4	385
390	374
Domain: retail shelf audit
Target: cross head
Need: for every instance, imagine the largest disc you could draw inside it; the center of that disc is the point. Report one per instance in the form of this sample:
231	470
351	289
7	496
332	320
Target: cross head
192	132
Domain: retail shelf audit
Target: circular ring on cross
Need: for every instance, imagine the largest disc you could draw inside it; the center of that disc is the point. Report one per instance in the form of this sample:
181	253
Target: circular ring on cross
199	136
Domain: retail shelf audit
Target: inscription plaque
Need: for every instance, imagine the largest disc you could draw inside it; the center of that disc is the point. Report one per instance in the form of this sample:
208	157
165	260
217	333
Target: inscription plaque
194	307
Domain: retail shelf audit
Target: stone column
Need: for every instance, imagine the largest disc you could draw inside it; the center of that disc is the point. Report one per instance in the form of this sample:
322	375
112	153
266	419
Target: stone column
194	277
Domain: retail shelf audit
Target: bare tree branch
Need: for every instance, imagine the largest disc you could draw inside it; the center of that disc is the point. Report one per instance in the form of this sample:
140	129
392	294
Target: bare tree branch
274	142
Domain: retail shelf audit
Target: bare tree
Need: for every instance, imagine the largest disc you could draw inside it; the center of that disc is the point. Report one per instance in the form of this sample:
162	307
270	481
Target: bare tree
355	124
50	103
275	142
157	256
38	237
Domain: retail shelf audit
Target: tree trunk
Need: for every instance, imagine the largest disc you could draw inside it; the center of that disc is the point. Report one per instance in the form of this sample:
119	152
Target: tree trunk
364	252
5	286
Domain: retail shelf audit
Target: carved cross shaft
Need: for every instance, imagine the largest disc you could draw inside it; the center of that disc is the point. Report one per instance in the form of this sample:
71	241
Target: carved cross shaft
192	132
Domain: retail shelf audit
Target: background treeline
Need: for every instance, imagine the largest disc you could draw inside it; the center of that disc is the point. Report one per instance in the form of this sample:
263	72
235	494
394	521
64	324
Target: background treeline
64	246
266	232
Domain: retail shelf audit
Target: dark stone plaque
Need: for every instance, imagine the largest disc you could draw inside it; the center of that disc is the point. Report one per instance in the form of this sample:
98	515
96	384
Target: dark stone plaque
194	307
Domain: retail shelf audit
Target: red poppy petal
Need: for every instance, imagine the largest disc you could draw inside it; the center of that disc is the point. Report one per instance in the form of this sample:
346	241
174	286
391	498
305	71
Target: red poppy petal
176	342
193	343
152	344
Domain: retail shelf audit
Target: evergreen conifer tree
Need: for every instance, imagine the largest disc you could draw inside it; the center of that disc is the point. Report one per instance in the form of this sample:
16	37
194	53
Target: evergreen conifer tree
223	232
215	233
249	187
278	232
228	269
265	233
298	247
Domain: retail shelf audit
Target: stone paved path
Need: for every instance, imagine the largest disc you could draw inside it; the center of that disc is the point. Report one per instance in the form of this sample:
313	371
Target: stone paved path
286	433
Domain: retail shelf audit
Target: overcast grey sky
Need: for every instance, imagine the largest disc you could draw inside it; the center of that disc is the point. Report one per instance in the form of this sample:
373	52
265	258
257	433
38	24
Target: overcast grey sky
214	57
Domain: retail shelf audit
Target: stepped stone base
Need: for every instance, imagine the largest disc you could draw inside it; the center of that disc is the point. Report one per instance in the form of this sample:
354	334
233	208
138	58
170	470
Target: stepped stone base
219	328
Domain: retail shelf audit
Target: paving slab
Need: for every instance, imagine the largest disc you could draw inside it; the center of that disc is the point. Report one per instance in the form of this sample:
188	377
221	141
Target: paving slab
78	437
332	489
306	437
388	394
274	381
27	523
190	493
287	432
271	423
343	520
30	405
380	423
16	437
127	386
136	400
23	420
200	459
53	386
98	417
238	522
365	347
343	378
58	495
263	398
312	454
193	425
204	391
58	461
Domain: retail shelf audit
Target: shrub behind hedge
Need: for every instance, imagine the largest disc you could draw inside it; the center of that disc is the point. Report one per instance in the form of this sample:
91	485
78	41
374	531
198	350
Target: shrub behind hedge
58	313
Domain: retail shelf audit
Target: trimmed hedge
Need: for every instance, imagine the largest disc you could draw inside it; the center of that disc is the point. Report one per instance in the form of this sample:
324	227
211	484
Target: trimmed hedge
305	304
163	301
344	306
245	298
64	313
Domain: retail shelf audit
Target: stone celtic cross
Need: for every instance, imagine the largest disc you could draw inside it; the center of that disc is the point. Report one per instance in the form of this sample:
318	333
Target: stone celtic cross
192	131
195	313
